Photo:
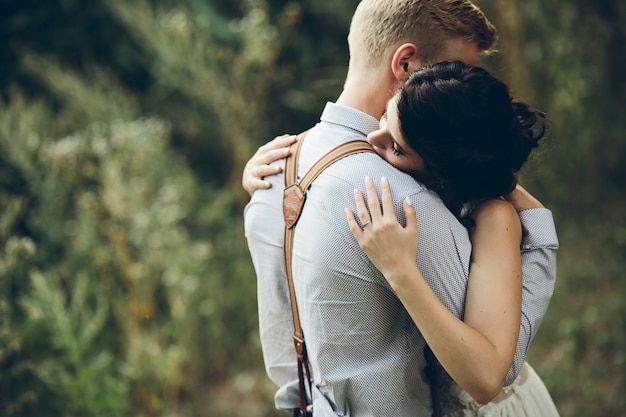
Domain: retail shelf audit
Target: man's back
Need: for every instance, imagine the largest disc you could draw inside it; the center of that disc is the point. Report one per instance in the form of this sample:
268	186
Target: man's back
366	354
365	351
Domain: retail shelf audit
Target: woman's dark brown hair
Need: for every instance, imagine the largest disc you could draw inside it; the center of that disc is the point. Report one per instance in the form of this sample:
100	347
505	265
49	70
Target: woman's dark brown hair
472	135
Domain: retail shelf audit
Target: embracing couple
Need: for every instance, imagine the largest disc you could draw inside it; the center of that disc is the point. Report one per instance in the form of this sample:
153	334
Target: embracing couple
408	259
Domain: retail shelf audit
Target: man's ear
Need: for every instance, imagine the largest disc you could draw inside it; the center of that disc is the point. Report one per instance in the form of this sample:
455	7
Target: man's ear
404	61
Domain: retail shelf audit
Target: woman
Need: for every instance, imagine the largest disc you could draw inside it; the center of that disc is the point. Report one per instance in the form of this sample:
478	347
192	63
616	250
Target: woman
456	129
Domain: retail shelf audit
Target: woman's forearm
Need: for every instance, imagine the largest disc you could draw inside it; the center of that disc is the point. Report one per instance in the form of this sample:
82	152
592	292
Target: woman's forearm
471	359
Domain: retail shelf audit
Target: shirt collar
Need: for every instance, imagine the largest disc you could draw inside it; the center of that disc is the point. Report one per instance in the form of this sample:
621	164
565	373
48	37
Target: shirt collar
350	118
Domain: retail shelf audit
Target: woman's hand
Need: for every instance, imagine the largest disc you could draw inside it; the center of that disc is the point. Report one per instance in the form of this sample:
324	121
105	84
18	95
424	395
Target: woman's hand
388	245
522	199
258	166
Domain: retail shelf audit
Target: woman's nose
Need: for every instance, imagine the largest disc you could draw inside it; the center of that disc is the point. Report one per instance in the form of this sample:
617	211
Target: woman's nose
375	138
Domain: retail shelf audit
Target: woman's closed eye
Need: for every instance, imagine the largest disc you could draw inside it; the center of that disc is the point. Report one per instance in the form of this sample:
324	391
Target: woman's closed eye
395	150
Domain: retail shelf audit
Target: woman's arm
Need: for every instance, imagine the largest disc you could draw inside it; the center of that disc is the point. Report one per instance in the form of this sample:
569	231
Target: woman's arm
539	248
476	353
258	166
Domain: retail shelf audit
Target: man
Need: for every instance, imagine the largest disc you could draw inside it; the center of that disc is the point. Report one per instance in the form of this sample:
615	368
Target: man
366	354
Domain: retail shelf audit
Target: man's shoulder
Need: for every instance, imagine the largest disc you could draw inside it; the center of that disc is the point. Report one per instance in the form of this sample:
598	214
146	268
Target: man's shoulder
353	170
268	200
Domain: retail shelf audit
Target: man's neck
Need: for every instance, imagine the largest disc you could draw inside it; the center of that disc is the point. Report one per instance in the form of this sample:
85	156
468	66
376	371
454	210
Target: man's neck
367	94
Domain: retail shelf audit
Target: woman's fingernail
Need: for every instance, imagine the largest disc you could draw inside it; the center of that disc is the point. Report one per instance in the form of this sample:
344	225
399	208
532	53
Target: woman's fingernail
383	180
408	201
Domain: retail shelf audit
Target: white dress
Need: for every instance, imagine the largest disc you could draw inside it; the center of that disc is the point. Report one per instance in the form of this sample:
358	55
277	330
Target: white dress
526	397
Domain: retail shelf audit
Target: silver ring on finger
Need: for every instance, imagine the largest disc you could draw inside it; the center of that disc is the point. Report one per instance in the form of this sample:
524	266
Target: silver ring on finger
365	224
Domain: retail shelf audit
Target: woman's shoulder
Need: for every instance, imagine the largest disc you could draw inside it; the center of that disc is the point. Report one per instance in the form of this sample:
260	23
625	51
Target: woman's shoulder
496	211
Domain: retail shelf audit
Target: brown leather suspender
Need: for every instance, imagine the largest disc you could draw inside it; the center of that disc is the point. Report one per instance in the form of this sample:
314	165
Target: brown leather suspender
293	201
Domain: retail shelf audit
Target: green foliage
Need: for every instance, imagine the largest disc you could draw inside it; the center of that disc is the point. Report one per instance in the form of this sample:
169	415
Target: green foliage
222	87
90	382
581	345
125	283
125	268
114	256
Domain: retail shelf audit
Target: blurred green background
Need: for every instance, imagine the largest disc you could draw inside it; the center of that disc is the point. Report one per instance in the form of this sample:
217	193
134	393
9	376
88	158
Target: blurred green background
126	287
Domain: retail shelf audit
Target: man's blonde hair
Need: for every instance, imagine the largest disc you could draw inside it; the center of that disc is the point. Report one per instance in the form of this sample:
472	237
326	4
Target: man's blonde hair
378	25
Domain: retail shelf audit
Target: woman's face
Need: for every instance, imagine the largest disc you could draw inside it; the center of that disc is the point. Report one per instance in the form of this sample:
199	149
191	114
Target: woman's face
390	144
